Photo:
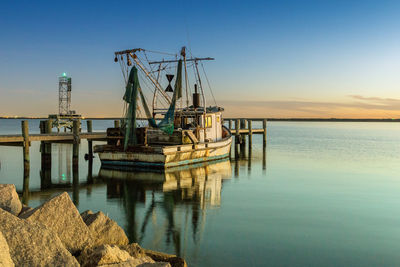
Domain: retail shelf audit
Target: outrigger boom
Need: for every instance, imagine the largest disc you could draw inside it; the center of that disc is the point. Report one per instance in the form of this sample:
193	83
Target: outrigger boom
174	61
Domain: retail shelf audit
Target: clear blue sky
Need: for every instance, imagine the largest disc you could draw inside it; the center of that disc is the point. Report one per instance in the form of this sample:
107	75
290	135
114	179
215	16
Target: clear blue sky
273	58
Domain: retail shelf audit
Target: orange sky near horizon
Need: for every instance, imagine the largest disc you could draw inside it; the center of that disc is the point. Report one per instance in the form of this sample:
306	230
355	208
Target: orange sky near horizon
353	107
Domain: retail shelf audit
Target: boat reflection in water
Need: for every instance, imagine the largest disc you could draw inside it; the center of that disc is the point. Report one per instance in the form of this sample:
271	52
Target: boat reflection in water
168	206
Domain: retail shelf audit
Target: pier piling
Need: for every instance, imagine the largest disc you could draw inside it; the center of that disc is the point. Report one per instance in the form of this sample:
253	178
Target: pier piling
243	123
75	148
250	133
116	124
47	145
90	142
26	144
49	125
45	151
237	138
265	132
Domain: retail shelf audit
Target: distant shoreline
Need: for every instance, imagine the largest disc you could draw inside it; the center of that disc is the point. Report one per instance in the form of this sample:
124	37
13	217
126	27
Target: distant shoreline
254	119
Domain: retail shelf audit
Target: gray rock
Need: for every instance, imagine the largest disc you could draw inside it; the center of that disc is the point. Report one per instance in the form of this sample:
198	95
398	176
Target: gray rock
5	258
32	244
9	199
103	229
103	255
61	216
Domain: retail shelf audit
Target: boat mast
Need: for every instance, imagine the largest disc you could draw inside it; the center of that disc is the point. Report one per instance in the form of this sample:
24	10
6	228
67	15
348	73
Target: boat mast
183	53
204	100
155	90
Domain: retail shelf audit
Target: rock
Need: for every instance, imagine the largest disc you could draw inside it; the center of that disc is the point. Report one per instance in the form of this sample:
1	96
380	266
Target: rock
163	257
61	216
32	244
137	263
9	199
134	250
156	264
103	229
24	209
86	214
5	258
102	255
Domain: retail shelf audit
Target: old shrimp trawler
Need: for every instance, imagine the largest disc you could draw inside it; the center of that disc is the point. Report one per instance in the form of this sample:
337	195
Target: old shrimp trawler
178	131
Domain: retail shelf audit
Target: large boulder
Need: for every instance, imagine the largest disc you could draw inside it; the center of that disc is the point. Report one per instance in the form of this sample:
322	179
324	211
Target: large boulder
61	216
32	244
5	258
103	255
9	199
103	229
163	257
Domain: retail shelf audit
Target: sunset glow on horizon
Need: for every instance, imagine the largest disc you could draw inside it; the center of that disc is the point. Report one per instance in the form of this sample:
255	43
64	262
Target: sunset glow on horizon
303	59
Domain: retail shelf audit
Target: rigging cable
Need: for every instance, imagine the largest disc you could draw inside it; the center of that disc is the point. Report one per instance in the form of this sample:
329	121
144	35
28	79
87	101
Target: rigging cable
208	83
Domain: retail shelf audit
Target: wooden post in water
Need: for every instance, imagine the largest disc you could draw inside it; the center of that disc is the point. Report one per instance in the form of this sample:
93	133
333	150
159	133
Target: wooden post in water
75	184
75	147
47	145
25	188
49	126
26	144
90	143
75	161
237	138
42	127
90	152
250	141
265	132
250	133
45	152
243	139
116	124
230	124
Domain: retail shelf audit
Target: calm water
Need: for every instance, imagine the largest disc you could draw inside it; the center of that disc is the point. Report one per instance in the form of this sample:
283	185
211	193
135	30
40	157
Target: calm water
323	194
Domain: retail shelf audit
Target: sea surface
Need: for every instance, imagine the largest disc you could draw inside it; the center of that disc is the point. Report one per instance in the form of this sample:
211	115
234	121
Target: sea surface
319	194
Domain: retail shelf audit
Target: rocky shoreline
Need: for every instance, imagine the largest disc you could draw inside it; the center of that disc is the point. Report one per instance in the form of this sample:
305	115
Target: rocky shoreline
55	234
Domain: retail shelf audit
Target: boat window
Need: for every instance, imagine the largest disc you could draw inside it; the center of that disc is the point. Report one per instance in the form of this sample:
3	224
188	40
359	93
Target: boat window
208	121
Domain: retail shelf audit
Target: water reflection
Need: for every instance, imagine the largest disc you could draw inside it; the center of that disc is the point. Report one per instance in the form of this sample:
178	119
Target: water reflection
162	210
167	194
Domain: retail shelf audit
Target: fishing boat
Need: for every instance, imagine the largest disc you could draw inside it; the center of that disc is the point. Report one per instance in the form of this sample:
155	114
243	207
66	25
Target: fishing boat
180	129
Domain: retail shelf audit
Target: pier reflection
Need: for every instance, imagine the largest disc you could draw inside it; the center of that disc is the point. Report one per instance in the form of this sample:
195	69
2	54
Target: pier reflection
164	210
167	196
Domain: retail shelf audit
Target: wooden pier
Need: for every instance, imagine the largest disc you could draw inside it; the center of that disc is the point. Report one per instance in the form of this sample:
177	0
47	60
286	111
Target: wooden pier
242	129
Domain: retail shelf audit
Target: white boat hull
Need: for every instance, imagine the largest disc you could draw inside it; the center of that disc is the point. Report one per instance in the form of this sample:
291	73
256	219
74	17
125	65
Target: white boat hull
169	156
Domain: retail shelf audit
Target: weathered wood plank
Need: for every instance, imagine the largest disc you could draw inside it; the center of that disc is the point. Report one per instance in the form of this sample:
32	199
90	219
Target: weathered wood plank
52	137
